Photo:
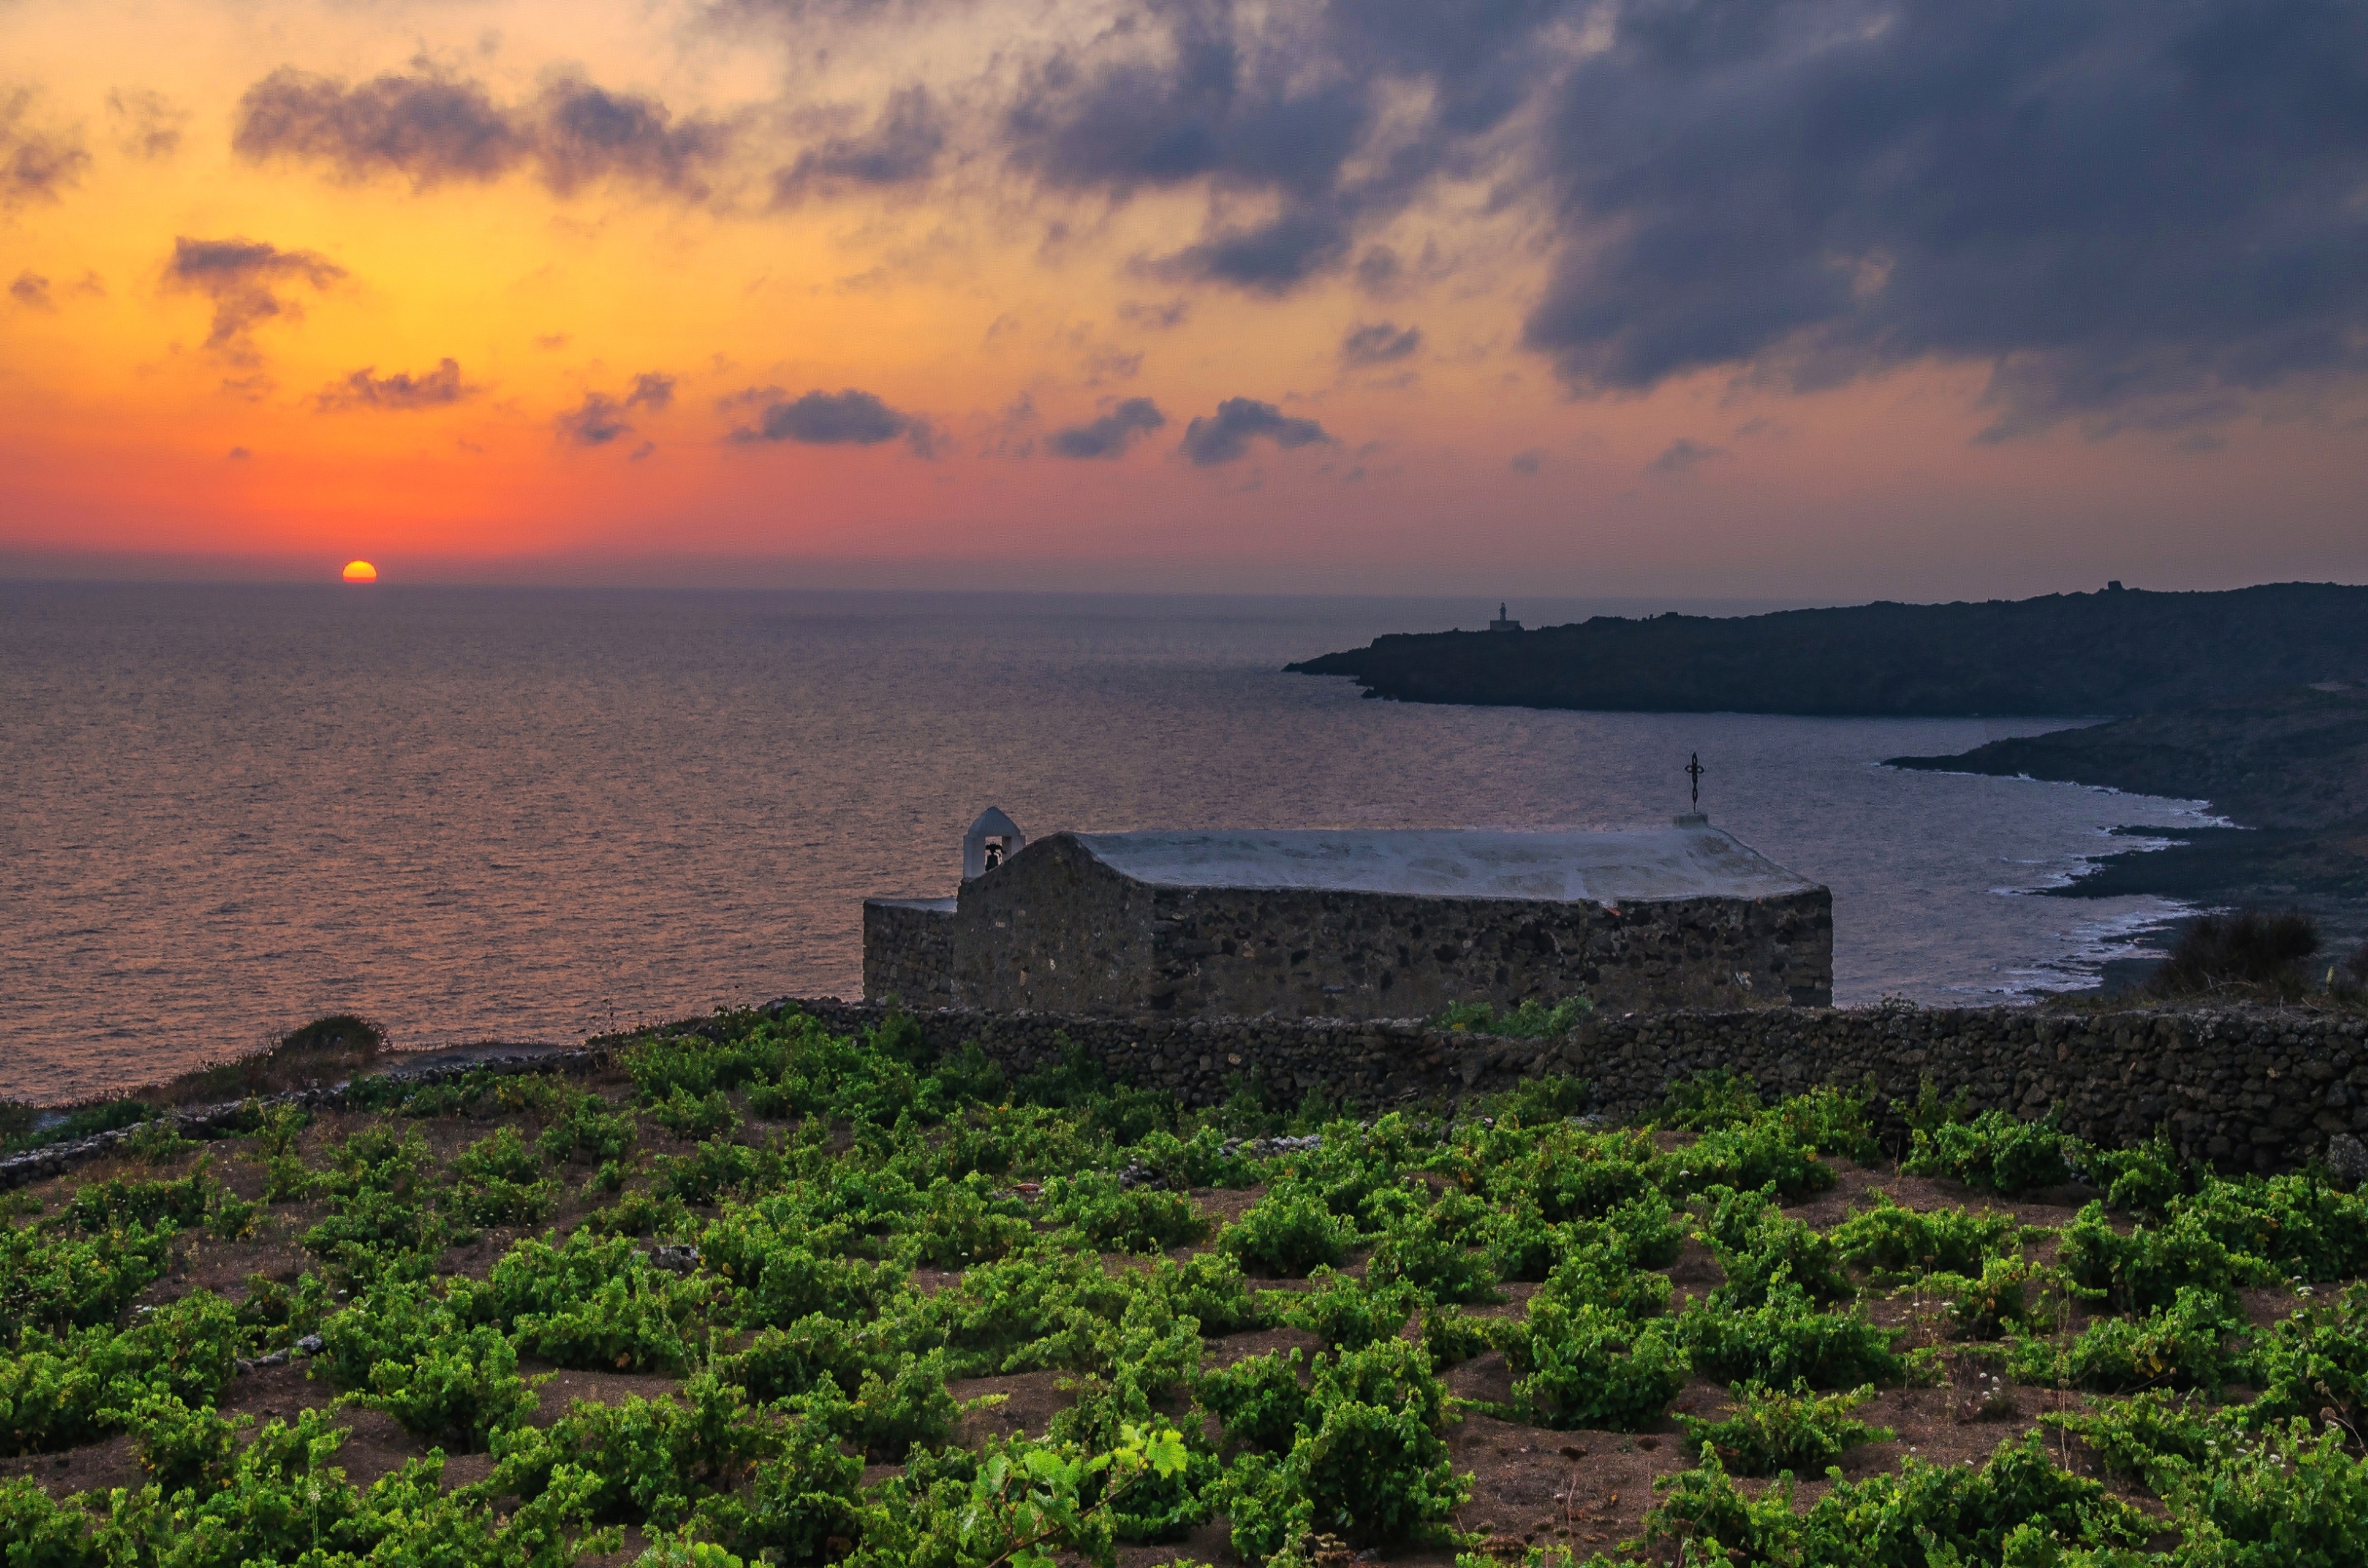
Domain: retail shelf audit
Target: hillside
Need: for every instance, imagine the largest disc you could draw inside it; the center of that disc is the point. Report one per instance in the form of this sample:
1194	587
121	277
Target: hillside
745	1290
2115	651
2292	758
2290	767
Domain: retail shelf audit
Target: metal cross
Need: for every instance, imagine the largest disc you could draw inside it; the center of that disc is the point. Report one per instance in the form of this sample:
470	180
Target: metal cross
1694	770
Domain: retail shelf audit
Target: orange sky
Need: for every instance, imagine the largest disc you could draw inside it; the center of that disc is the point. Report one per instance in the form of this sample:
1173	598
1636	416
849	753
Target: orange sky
154	416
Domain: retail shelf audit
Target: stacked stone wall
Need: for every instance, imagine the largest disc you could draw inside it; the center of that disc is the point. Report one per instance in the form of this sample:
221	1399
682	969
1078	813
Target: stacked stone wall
2243	1089
909	951
1057	931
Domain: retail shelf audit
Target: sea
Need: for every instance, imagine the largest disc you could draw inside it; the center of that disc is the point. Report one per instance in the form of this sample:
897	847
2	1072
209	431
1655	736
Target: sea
532	815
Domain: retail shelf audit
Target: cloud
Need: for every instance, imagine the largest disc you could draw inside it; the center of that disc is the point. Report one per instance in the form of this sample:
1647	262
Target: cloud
901	148
35	163
1378	343
239	454
1112	433
1683	456
652	391
597	421
31	291
1528	460
2117	206
600	418
435	129
243	277
147	123
1333	117
401	393
1227	435
1159	317
848	419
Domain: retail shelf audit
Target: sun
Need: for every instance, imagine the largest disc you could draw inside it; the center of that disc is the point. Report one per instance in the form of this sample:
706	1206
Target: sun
360	572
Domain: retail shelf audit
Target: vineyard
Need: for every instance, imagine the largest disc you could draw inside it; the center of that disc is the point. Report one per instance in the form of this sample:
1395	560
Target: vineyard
759	1293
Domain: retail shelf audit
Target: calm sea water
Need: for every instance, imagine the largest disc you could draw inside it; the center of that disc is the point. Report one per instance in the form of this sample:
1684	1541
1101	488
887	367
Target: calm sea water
530	814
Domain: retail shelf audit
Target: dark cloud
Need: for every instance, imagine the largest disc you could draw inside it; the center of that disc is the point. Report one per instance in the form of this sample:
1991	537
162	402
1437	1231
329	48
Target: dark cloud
1226	435
429	128
435	129
1378	343
597	421
1528	461
31	291
239	454
1280	103
652	391
147	123
1112	433
1683	456
600	417
400	392
2126	208
848	419
901	148
1159	317
244	278
583	135
35	163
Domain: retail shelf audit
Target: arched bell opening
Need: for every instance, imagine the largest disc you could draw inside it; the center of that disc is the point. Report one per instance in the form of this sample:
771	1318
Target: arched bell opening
992	839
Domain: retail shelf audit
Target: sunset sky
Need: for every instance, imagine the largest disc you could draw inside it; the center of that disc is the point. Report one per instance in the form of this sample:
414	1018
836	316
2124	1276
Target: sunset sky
1917	298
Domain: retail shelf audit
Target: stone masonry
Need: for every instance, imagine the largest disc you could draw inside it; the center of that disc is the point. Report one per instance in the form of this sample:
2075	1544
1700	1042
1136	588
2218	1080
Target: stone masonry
1102	925
2259	1090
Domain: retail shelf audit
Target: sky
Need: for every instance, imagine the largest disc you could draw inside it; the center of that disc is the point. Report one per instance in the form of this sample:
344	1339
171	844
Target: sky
1923	299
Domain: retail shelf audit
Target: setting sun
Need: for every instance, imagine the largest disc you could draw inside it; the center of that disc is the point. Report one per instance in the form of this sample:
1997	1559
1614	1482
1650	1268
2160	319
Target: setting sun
360	572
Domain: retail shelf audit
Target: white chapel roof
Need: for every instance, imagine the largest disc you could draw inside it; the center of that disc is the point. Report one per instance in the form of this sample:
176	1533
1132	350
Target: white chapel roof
1611	867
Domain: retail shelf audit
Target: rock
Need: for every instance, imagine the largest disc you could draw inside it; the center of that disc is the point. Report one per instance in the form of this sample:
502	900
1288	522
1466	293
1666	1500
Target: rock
2347	1159
310	1345
673	1260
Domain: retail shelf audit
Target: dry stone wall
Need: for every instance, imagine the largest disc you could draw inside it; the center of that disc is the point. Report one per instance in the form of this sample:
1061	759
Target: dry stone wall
2246	1090
1057	931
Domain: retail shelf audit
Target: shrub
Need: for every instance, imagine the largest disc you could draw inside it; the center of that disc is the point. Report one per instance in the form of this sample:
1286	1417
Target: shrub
888	1414
1922	1515
99	1207
589	1130
694	1116
500	1182
58	1392
1758	1153
1710	1101
2315	1359
1586	1365
1759	1248
1535	1019
1288	1231
651	1460
1898	1242
1995	1301
1345	1312
1773	1430
1788	1340
180	1447
1257	1400
1117	1219
1366	1457
1995	1152
2246	949
2182	1344
456	1392
50	1282
801	1499
1418	1251
2150	1266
